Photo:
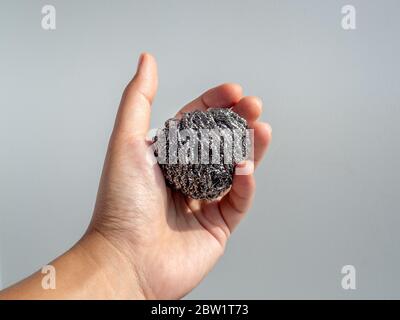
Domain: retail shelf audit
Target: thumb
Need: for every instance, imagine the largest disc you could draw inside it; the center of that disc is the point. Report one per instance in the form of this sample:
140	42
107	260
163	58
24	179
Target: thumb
133	118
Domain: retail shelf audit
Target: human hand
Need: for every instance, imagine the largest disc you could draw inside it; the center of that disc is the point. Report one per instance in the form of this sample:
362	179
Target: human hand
171	242
146	241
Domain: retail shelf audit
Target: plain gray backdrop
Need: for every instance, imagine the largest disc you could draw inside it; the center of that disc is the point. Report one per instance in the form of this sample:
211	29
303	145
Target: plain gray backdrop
328	190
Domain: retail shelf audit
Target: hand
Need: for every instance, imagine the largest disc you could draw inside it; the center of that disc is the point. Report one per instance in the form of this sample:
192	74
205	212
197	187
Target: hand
171	241
145	240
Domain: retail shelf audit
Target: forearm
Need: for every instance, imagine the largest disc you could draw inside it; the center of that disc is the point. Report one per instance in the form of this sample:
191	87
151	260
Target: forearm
92	269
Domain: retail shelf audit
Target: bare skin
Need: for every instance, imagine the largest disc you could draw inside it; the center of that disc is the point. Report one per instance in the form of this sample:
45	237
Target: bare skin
146	241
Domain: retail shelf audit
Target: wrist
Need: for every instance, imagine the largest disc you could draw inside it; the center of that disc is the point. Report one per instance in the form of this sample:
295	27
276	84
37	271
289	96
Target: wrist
114	270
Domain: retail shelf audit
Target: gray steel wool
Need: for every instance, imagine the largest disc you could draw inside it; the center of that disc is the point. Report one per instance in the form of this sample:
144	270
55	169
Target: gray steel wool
197	161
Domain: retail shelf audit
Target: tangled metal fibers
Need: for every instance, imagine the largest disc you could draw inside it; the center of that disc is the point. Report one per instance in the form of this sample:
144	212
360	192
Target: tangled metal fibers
198	152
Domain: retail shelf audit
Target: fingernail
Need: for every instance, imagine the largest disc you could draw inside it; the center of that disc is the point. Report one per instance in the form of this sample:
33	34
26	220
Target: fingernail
241	164
245	167
140	61
259	100
269	128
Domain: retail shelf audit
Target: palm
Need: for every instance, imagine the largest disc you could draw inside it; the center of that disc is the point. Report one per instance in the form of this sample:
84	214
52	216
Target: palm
187	255
181	240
